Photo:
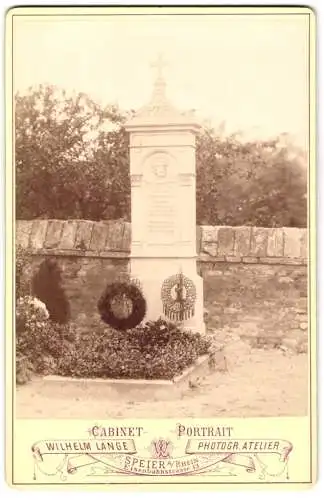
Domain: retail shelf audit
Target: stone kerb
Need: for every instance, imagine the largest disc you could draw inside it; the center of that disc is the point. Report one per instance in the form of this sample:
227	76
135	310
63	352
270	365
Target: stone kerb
112	239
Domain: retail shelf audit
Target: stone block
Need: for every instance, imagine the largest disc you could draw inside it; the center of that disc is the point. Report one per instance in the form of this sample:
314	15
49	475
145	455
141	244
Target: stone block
98	236
23	230
115	234
225	241
292	242
53	234
275	260
60	252
250	260
275	246
210	249
209	234
233	259
294	333
304	243
68	235
295	261
285	279
302	303
215	272
209	243
242	241
299	273
83	235
116	256
127	237
198	239
259	240
38	234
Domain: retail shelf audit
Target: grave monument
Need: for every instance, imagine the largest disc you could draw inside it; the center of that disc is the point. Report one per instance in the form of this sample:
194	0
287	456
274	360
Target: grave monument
163	208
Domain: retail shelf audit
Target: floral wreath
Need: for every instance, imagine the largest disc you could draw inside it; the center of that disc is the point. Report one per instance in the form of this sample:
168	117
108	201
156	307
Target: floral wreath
125	294
178	308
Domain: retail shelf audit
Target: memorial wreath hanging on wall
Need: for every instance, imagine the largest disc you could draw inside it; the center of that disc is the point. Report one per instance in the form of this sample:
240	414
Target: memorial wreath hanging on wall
178	294
122	305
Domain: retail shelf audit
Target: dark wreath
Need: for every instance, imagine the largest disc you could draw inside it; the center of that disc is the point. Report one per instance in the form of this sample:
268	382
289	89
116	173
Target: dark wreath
126	296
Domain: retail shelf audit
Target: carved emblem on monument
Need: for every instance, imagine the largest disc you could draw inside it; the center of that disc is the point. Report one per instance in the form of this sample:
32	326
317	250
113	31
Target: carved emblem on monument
160	163
178	294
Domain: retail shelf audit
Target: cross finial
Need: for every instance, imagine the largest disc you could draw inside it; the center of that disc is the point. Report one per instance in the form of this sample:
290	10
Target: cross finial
159	64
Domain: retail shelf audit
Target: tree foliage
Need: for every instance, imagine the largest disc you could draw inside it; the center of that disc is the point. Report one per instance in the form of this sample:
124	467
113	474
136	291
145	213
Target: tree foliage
72	161
69	164
259	183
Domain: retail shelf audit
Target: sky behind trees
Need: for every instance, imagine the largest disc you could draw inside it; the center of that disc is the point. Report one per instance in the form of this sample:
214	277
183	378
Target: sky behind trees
250	71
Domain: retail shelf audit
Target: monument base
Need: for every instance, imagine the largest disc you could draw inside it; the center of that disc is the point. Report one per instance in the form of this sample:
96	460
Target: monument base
152	273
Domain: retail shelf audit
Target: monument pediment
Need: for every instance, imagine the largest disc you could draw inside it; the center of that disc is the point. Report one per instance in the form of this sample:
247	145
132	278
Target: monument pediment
162	113
159	110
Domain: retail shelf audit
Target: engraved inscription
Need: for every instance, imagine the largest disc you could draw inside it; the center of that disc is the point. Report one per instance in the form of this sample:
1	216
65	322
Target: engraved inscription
161	214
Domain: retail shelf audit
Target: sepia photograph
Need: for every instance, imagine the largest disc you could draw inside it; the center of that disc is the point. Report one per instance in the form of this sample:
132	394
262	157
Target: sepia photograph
161	214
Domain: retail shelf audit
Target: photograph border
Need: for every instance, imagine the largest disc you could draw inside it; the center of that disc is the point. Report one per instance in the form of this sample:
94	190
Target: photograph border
10	213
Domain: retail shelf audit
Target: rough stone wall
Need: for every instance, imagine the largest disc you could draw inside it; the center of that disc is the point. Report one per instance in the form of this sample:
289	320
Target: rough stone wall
75	238
259	301
255	277
251	245
112	239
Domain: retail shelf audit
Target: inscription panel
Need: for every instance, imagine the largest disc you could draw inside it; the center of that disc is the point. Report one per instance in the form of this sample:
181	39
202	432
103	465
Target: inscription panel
161	214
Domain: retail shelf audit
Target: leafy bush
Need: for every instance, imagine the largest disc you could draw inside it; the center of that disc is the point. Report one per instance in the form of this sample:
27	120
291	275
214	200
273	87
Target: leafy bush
46	285
22	261
24	369
157	350
39	341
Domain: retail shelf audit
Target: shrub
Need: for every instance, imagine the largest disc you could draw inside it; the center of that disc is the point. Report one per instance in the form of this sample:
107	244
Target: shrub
46	285
24	369
157	350
39	341
22	262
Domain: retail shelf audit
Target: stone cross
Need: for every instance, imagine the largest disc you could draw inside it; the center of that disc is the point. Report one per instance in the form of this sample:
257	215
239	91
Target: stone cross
159	64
